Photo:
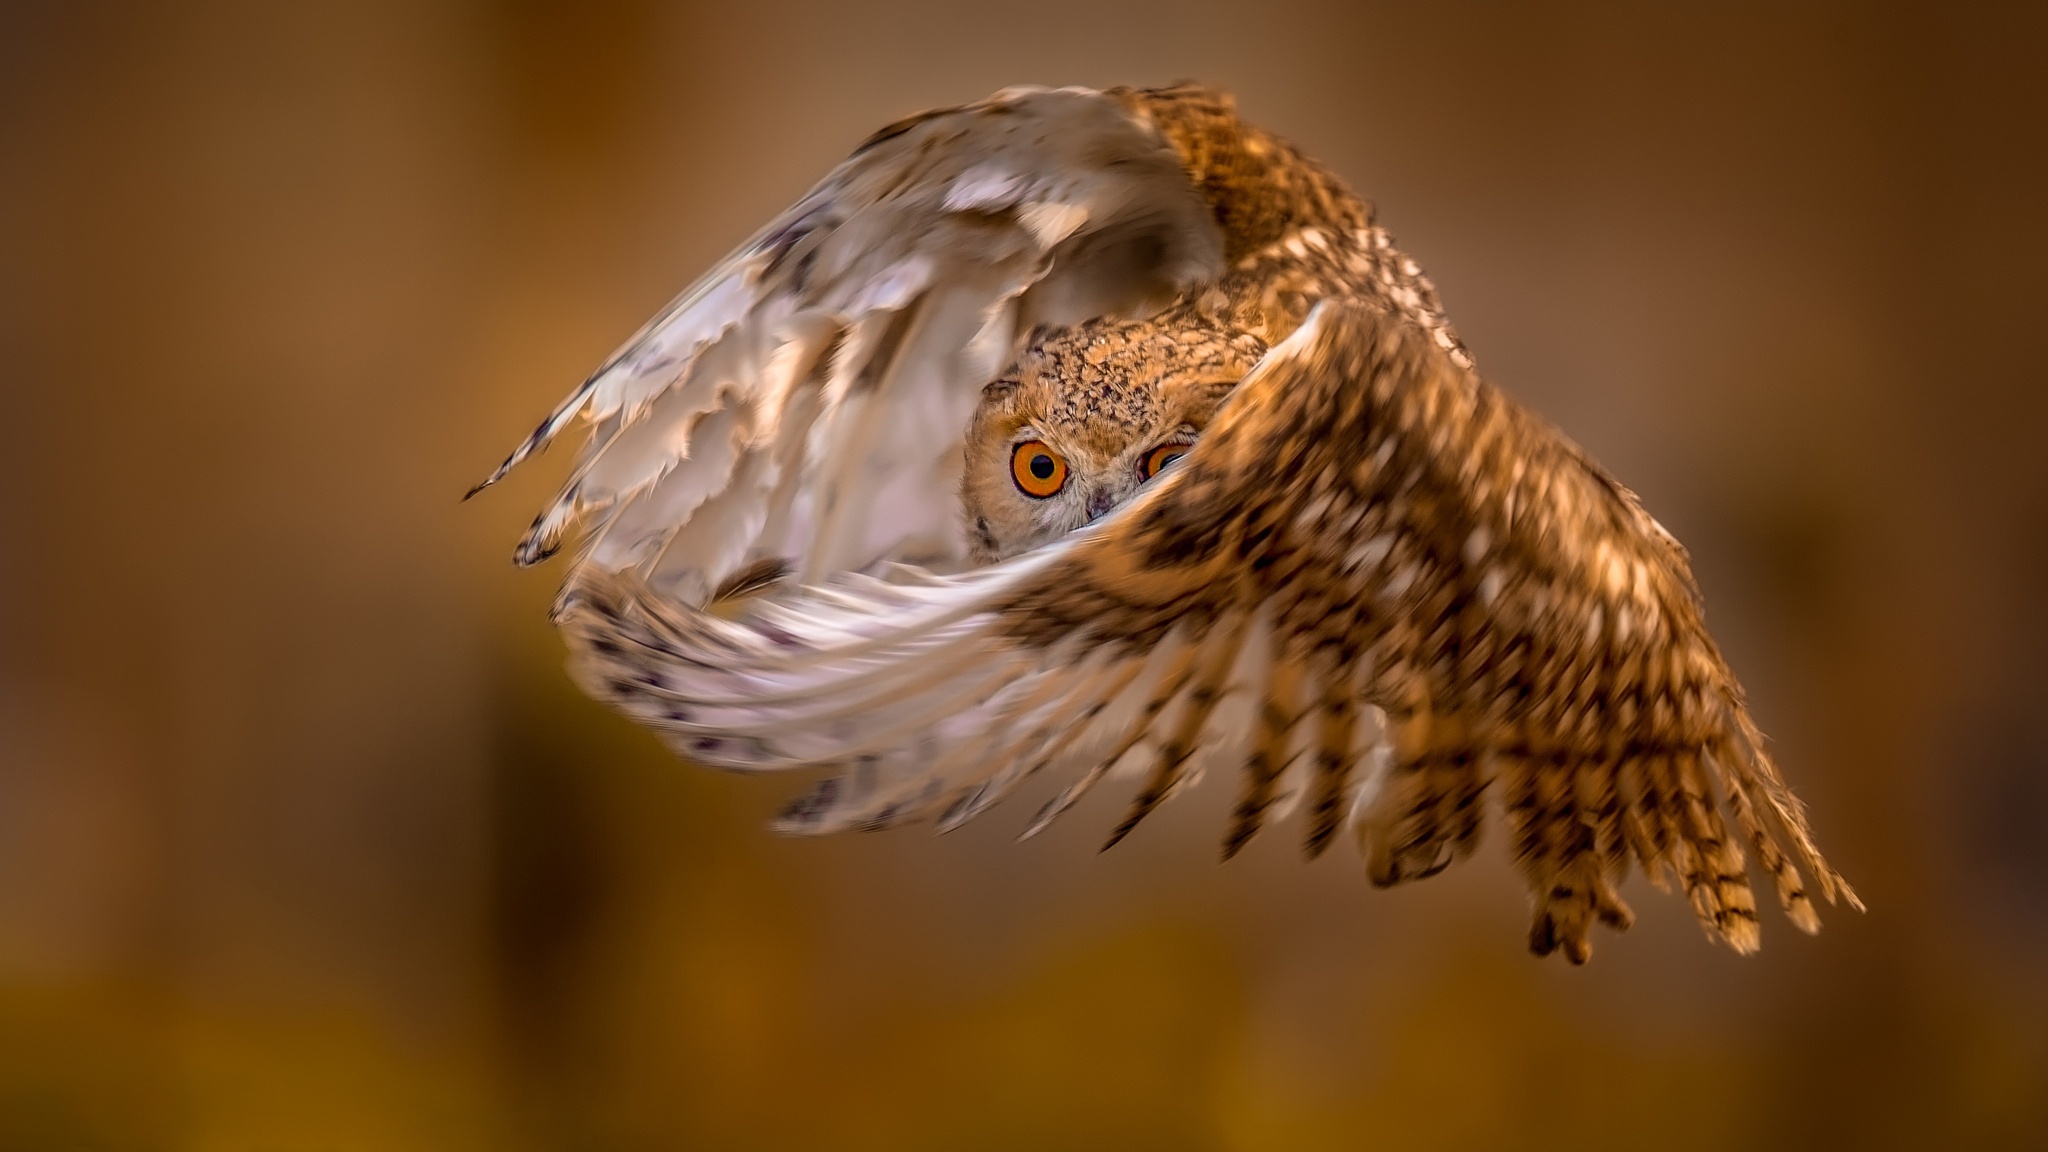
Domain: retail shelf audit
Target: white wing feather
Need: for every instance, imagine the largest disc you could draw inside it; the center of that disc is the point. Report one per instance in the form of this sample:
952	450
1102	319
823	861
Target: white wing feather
805	400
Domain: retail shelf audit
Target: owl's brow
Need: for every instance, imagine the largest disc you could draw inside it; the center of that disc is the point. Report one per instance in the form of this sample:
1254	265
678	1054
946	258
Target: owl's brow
1093	404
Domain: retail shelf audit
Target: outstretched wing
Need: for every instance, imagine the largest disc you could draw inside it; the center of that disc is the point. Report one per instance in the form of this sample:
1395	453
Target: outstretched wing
1367	531
804	402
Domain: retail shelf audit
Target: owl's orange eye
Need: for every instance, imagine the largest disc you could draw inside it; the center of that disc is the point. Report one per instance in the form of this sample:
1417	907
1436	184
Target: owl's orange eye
1038	470
1160	458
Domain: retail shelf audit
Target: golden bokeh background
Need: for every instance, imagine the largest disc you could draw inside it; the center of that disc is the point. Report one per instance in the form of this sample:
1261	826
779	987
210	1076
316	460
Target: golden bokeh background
307	843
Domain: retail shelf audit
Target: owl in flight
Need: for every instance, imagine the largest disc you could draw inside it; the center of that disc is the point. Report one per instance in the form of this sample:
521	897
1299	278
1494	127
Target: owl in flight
1102	434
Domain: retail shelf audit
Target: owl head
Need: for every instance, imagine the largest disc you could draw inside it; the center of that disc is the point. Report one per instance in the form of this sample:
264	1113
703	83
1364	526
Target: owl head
1086	416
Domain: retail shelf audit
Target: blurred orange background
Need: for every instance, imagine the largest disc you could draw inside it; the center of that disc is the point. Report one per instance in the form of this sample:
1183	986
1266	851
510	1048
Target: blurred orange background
307	843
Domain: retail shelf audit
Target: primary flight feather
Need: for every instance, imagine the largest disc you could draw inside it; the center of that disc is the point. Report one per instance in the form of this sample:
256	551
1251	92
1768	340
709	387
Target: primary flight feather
1100	432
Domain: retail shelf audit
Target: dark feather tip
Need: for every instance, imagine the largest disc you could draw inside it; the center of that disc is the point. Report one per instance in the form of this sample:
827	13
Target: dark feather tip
1116	837
532	552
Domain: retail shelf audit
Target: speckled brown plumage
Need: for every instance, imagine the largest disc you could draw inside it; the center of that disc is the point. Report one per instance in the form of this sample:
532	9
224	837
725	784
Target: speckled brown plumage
1519	618
1374	587
1260	187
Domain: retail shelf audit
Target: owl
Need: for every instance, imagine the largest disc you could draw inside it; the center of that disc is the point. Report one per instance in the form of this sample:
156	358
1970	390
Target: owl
1103	436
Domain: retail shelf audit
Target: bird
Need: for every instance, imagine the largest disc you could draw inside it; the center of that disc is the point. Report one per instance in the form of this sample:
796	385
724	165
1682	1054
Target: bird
1100	434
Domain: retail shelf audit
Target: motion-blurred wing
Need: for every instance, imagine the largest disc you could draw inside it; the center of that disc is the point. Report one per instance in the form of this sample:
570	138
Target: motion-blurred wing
804	402
1366	531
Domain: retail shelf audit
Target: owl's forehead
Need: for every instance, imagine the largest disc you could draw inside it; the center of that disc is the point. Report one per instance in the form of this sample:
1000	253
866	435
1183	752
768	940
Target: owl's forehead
1106	382
1078	385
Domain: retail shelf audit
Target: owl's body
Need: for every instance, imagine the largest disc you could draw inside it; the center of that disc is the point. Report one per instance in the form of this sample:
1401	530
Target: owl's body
1166	423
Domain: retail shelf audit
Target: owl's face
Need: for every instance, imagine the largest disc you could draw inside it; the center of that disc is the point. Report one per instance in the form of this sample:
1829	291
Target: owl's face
1086	418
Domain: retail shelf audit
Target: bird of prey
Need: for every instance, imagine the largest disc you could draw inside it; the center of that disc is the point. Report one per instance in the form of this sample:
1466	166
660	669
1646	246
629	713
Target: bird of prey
1101	433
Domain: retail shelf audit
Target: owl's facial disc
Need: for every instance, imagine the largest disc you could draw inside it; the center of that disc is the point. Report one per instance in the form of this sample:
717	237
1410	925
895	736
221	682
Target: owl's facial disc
1085	419
1063	473
1055	476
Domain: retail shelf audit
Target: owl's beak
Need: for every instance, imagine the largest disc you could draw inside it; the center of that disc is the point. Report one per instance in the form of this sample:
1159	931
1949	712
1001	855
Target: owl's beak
1100	503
